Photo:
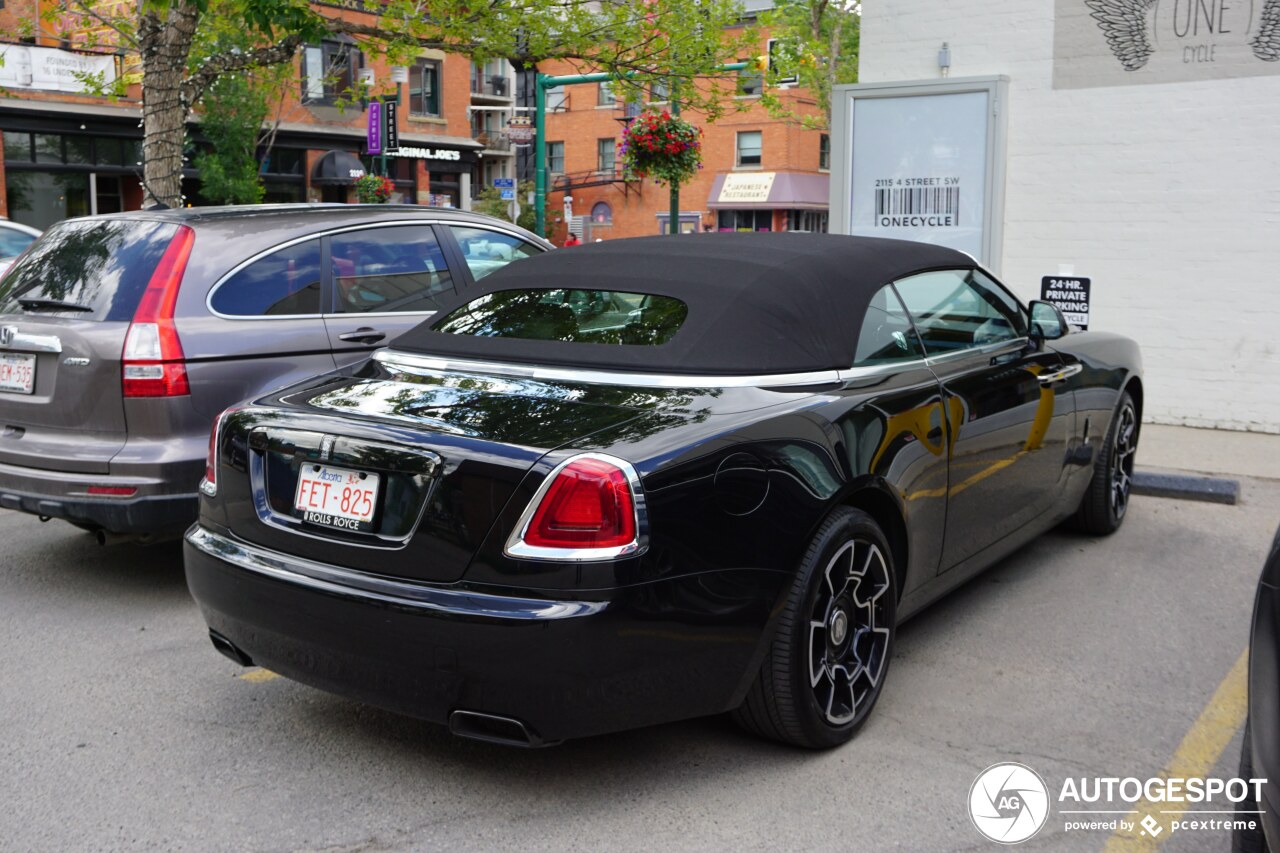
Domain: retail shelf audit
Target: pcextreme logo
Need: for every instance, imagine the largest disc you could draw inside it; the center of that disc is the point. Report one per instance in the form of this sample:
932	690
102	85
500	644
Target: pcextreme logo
1009	803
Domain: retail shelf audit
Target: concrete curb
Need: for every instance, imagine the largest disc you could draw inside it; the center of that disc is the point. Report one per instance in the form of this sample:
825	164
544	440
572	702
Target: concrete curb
1186	487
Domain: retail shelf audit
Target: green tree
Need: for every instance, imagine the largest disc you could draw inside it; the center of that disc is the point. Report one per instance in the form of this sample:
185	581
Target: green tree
232	122
183	51
489	202
817	46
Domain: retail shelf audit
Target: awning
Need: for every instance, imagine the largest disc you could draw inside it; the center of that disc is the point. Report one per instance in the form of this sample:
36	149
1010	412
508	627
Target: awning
770	191
337	168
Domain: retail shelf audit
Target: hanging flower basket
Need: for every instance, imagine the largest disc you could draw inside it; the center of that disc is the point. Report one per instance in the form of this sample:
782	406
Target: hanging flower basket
374	189
663	147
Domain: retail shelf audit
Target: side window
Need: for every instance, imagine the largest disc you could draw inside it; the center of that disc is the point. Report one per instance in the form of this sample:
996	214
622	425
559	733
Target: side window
886	334
284	282
958	309
486	251
398	268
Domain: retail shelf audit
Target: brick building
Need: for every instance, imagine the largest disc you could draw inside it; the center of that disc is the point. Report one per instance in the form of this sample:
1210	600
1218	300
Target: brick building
759	173
68	154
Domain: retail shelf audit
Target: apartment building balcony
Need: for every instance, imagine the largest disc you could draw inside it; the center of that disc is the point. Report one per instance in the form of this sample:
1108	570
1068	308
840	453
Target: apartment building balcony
496	143
492	89
569	181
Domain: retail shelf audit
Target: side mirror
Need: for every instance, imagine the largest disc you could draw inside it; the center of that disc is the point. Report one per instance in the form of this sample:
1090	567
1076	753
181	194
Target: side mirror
1047	321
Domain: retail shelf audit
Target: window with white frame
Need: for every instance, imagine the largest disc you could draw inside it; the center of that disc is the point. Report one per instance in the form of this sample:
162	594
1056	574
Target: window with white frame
749	148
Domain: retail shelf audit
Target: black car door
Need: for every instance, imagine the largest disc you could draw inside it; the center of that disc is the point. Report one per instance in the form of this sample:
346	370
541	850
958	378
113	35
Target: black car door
1007	427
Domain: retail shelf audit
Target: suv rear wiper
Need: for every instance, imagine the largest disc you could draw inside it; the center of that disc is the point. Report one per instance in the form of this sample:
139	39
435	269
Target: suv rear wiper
53	305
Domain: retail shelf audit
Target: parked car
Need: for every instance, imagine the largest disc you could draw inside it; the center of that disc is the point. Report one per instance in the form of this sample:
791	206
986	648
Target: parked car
123	336
14	240
658	478
1260	753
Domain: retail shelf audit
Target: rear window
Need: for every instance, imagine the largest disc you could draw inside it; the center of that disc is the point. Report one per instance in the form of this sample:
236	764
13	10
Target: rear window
101	265
571	316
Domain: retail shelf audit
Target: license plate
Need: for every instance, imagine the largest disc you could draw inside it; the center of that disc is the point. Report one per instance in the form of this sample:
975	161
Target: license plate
336	497
17	373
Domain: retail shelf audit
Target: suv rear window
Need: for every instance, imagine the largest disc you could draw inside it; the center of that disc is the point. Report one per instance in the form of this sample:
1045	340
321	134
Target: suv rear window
571	316
102	265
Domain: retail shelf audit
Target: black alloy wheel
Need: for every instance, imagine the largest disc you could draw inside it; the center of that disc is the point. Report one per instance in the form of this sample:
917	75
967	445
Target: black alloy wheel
830	654
1106	501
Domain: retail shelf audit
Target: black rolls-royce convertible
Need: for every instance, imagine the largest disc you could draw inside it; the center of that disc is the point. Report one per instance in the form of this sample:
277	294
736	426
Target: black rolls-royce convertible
653	479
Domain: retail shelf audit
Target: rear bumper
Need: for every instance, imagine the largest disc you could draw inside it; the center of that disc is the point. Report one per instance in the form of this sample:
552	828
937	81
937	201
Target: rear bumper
153	508
626	658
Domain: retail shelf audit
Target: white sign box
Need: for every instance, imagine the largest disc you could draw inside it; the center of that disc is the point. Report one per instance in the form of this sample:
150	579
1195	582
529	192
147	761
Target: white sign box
920	161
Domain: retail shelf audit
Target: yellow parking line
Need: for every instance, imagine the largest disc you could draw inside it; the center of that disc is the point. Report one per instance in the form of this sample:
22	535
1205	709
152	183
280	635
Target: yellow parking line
1195	757
257	675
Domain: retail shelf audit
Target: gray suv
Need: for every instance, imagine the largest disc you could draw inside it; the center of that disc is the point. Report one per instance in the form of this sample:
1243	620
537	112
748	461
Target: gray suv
123	336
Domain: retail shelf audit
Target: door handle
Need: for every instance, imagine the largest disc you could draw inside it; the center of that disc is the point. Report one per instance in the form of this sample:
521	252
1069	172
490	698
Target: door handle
363	335
1060	375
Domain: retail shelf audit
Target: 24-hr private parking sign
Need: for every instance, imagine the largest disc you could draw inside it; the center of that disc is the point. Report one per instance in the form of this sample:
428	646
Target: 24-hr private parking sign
1070	294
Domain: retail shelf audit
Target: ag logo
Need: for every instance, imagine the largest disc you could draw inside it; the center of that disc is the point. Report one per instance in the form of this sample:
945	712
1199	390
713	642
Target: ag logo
1008	803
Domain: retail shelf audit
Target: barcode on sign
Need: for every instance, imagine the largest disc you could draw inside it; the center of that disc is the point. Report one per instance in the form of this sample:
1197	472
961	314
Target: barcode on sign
917	206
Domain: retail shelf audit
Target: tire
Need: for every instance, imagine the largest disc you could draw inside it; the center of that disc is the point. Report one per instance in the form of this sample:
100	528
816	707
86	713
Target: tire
1248	840
1105	502
823	672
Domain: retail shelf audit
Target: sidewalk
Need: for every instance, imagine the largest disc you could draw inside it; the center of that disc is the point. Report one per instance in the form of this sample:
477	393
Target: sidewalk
1223	453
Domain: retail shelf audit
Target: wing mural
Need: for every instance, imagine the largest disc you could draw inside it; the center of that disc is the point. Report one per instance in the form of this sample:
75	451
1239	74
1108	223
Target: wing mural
1266	44
1124	24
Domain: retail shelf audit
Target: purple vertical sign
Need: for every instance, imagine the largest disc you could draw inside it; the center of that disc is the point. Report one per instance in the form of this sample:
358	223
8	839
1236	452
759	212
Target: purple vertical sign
375	127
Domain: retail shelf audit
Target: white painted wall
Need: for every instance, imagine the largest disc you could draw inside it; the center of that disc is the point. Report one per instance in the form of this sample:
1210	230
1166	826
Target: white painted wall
1168	195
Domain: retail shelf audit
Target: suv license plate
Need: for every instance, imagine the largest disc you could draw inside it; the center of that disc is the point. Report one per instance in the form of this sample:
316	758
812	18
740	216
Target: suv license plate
18	373
336	497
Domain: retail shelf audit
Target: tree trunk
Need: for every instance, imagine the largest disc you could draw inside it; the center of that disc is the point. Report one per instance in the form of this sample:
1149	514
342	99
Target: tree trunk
166	44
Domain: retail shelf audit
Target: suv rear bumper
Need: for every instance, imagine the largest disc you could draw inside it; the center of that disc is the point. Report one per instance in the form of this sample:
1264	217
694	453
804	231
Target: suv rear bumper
59	494
563	668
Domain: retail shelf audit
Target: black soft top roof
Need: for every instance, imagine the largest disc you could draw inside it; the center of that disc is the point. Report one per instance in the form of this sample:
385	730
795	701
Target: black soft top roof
758	303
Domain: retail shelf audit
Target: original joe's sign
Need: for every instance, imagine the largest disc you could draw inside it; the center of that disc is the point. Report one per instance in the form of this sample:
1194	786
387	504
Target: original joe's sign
1070	294
1121	42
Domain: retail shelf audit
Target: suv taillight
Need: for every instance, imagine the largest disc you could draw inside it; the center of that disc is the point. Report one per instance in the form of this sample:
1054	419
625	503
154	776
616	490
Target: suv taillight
589	508
153	364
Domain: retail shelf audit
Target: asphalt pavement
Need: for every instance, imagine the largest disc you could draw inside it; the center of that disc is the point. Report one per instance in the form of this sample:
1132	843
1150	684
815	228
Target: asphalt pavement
121	728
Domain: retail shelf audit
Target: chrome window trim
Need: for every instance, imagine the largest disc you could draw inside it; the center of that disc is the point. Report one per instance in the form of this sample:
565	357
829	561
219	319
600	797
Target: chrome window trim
1012	345
396	359
391	223
352	584
517	548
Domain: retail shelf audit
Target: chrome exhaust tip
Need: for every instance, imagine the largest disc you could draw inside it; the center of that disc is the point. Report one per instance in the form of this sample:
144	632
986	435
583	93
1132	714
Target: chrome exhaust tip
493	728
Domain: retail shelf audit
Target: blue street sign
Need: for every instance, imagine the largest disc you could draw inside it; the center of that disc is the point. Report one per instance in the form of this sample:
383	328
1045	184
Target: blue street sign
504	184
508	195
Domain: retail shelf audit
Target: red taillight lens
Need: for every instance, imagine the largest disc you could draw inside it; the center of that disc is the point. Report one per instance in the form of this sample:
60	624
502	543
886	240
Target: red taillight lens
113	491
211	460
589	505
153	364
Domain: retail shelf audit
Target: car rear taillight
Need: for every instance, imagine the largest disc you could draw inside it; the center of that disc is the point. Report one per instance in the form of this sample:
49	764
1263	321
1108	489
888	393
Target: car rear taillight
589	508
153	364
209	485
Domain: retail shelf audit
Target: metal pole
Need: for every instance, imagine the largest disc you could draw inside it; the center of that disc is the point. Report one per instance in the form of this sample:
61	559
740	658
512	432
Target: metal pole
540	154
674	213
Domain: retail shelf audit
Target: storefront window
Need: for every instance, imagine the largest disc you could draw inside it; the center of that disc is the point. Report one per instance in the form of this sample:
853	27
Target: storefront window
40	199
48	147
17	146
745	220
79	149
